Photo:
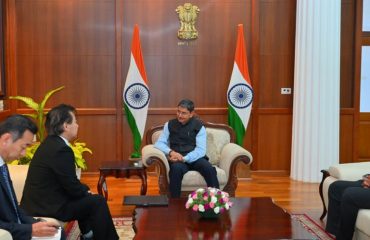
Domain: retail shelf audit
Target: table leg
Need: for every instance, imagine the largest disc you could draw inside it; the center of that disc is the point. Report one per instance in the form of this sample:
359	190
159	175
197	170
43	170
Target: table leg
143	182
102	186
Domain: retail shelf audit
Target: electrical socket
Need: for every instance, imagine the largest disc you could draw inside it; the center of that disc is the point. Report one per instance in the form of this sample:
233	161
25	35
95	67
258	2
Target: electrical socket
286	91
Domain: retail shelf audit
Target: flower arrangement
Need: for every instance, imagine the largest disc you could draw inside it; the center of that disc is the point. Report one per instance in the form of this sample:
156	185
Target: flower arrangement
209	199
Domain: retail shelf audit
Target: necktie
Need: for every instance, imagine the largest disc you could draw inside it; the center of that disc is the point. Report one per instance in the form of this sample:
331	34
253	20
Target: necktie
5	174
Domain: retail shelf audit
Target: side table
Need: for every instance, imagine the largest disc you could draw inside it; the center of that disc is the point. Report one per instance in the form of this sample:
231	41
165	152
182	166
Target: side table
121	169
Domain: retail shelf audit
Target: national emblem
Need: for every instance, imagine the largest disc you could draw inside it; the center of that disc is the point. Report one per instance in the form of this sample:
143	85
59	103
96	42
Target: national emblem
187	16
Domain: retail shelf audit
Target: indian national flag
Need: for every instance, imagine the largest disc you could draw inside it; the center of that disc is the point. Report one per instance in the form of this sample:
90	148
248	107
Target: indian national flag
240	92
136	94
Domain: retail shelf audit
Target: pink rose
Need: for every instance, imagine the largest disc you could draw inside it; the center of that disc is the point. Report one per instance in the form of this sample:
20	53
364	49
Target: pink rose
195	207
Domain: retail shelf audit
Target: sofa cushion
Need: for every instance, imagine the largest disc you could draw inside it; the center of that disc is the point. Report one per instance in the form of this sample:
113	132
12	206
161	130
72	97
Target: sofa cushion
216	140
193	180
349	171
363	221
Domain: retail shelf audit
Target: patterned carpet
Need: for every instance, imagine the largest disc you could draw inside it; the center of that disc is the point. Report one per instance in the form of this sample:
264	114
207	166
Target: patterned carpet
123	226
314	228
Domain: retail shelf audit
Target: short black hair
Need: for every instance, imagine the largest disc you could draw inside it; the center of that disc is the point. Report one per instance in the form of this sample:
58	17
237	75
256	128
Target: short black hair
16	125
57	116
186	103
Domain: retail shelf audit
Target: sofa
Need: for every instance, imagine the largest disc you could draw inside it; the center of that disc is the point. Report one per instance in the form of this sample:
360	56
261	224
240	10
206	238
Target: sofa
5	235
18	174
349	172
222	151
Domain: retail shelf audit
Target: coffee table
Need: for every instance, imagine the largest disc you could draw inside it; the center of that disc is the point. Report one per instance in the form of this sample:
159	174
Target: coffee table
249	218
121	169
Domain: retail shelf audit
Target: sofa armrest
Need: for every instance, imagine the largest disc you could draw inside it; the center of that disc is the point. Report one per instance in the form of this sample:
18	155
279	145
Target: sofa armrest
349	171
5	235
153	156
149	153
232	152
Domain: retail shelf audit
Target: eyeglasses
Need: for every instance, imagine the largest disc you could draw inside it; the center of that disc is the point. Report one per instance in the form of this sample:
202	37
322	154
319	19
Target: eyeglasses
182	113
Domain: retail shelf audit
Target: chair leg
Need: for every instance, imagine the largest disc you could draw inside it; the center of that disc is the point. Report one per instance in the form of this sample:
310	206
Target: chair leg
325	174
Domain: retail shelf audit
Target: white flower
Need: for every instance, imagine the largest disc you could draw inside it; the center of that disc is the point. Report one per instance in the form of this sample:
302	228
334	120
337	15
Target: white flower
190	200
212	190
201	190
213	199
227	206
201	208
217	210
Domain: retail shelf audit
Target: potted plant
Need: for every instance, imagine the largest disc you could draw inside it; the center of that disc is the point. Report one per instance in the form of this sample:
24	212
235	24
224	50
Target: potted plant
78	147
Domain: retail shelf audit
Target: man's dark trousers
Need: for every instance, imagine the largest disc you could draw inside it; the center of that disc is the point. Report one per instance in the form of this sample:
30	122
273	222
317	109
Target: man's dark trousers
345	200
178	170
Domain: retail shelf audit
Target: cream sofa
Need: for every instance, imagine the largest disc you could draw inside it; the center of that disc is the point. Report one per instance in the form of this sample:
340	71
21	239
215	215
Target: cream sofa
5	235
18	174
222	151
350	172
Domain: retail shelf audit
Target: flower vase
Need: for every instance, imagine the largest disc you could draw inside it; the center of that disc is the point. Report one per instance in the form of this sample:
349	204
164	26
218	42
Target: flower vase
209	214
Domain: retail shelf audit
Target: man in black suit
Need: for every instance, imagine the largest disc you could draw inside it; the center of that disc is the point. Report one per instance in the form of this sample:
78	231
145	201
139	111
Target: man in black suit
52	188
16	134
345	200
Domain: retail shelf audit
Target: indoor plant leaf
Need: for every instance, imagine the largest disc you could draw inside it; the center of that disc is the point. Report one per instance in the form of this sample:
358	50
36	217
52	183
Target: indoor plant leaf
28	101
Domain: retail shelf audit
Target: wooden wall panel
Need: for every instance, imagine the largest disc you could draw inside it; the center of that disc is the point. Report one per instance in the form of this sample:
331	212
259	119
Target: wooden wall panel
347	67
99	133
276	52
346	138
66	43
274	61
364	136
274	142
89	80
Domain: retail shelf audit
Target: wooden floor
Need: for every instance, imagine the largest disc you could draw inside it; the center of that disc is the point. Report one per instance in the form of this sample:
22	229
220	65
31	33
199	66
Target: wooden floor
293	196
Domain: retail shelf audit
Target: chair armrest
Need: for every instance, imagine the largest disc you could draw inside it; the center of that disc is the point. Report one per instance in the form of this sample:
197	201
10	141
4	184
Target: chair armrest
232	152
349	171
5	235
149	153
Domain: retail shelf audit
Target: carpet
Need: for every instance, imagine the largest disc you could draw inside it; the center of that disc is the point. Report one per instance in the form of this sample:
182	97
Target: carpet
123	226
311	226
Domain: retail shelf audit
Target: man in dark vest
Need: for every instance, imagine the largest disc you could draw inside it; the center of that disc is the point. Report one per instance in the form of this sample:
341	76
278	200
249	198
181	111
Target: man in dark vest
184	141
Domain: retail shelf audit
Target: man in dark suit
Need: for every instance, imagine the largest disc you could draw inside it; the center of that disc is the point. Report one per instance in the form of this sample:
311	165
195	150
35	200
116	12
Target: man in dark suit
16	134
52	188
345	200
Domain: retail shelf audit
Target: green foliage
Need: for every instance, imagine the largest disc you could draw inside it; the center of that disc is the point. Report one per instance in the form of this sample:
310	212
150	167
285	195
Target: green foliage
78	149
39	116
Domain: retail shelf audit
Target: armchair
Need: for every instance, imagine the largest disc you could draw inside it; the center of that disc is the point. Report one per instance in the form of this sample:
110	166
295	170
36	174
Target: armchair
223	153
349	172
